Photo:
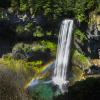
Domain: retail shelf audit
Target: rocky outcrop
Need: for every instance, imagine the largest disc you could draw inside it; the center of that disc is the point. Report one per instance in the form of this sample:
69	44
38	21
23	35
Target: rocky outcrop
94	34
22	24
98	22
94	24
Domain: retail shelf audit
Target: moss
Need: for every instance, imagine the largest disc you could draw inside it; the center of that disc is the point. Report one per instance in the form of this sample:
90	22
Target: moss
48	45
78	74
78	34
23	47
29	69
80	60
79	63
20	29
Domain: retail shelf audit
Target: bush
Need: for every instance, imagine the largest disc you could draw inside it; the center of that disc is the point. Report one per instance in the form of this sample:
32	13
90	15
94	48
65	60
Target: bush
36	63
29	27
7	56
48	33
23	5
80	60
22	51
77	73
78	34
51	46
46	47
20	29
24	31
38	32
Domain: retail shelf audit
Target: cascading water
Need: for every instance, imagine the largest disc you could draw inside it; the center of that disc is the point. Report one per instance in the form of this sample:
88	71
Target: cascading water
63	53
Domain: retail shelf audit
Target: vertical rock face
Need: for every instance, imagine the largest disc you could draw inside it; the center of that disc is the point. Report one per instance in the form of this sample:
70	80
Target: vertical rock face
94	34
98	21
94	24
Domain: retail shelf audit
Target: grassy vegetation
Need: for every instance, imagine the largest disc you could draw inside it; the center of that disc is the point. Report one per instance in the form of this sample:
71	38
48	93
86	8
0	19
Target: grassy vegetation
80	60
12	81
78	74
78	34
79	64
27	67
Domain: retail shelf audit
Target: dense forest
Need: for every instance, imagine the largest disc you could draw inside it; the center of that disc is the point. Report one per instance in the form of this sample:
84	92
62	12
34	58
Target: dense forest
29	31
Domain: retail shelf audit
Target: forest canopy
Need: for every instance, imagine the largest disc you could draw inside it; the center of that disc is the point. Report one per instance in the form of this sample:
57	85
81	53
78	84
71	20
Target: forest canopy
53	9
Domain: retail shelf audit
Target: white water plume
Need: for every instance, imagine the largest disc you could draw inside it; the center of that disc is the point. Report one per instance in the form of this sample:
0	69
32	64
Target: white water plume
63	53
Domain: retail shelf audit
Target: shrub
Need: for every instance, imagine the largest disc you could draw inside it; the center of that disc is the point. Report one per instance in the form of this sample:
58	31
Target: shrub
51	46
38	32
78	74
29	27
7	56
80	60
20	29
78	34
37	47
22	51
23	5
36	63
48	33
46	46
24	31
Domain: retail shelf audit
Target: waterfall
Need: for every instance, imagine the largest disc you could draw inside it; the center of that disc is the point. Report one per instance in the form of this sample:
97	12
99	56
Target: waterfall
63	53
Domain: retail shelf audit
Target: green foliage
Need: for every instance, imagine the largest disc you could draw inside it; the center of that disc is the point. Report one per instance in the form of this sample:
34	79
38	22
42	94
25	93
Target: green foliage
23	5
49	33
77	74
7	56
78	34
80	60
38	32
79	10
14	5
53	9
22	47
24	31
82	9
27	69
29	26
37	47
20	29
79	64
35	63
47	45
